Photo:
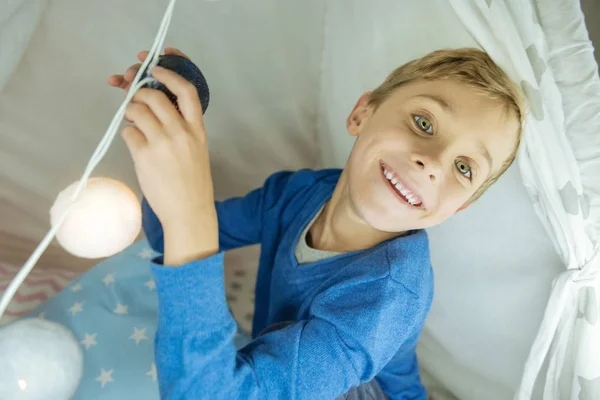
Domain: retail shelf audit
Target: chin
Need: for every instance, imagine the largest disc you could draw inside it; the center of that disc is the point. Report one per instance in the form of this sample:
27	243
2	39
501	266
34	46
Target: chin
392	222
387	225
382	217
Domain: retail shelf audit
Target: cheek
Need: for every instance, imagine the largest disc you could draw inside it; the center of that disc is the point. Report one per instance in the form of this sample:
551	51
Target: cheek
447	209
364	152
384	142
451	198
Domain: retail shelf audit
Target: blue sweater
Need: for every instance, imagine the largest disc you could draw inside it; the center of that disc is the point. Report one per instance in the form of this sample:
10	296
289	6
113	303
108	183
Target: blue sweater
354	317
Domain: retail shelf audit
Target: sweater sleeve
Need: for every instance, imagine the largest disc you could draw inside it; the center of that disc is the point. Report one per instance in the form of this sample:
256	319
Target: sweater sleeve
350	333
240	218
400	379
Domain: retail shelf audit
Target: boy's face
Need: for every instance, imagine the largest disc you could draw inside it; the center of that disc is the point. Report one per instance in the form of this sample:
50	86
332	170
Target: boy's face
424	152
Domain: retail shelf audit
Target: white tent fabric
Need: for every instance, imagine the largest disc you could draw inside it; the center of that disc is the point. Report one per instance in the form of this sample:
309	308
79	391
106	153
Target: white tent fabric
261	60
560	79
283	76
511	33
18	22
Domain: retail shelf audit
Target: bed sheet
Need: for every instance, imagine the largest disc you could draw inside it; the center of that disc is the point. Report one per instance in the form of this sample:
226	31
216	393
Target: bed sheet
39	286
112	310
42	284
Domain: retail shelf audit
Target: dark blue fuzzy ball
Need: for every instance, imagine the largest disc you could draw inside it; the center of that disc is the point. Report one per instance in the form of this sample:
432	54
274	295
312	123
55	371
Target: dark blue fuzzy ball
188	70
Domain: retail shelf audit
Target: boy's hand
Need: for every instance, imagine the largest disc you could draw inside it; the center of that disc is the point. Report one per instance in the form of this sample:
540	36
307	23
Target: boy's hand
171	160
124	81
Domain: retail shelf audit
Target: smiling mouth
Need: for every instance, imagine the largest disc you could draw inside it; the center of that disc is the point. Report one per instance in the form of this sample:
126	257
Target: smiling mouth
397	187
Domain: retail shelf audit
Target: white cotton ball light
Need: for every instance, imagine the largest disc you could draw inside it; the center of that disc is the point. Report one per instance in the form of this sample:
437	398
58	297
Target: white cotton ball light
105	219
39	360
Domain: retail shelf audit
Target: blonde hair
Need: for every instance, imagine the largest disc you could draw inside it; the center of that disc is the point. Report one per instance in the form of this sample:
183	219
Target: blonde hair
472	67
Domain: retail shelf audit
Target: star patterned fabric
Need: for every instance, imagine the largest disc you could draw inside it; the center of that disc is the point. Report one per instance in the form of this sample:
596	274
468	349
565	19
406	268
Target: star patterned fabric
112	311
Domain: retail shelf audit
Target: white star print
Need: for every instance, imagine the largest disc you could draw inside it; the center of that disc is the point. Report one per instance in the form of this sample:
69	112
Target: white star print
146	254
77	307
152	372
76	287
121	309
105	376
108	279
151	284
138	335
89	341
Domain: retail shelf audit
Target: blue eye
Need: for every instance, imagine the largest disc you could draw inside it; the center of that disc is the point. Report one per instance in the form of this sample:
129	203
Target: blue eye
464	169
424	124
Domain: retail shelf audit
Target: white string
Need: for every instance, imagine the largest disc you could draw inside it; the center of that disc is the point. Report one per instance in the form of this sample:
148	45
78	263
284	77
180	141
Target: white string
101	149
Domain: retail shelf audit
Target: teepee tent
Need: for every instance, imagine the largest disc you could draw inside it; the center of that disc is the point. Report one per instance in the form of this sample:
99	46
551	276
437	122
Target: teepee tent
517	306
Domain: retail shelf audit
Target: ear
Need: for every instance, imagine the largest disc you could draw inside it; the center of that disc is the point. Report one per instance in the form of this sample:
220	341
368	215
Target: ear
358	115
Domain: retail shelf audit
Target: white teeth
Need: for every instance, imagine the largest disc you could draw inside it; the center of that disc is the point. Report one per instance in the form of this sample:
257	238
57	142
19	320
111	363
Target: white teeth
407	195
414	200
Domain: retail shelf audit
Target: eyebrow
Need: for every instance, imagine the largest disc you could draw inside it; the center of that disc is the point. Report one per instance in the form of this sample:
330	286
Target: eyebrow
485	152
441	101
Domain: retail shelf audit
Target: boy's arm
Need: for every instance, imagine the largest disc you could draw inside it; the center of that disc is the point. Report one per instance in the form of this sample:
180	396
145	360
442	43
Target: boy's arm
239	218
400	379
351	333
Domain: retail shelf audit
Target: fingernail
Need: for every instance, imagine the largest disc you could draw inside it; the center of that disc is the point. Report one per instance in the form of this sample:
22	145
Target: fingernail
159	68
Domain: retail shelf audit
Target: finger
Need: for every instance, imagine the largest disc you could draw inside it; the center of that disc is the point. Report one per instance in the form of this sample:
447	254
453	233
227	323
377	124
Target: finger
118	81
127	117
142	55
176	52
115	80
131	73
186	92
134	139
145	120
161	106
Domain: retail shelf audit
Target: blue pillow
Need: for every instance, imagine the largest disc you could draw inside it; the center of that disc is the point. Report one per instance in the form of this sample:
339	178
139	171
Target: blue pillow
112	310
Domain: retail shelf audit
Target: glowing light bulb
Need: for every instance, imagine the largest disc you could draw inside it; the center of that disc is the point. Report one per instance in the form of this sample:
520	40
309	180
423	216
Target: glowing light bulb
39	360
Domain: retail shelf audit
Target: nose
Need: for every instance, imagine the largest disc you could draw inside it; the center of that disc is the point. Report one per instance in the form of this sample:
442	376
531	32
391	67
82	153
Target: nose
429	166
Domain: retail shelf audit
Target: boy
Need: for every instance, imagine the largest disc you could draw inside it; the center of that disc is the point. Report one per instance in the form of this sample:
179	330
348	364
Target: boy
344	282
